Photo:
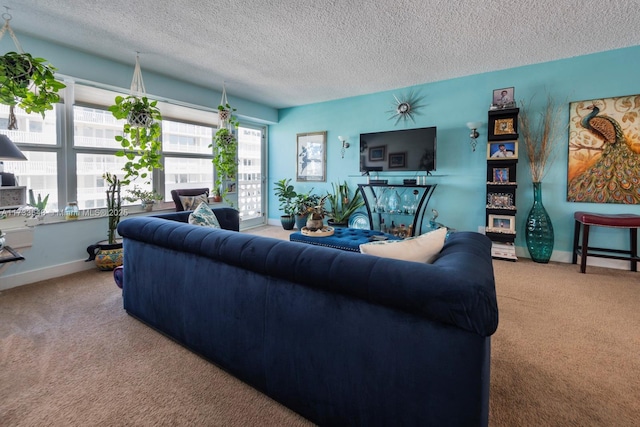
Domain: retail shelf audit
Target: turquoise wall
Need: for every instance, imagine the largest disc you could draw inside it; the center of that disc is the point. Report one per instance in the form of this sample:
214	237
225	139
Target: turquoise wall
461	173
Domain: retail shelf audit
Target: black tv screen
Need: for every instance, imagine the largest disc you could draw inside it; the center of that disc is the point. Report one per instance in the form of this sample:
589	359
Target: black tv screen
409	150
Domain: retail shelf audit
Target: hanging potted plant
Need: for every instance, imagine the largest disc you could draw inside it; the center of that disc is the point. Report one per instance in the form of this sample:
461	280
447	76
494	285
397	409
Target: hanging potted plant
225	153
29	83
140	139
108	253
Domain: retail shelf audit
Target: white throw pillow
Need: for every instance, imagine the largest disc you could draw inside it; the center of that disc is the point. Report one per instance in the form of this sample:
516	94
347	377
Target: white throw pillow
422	248
190	203
204	216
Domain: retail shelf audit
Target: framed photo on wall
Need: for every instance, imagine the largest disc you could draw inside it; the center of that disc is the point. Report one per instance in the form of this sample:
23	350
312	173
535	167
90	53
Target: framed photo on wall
503	125
502	150
312	156
502	224
504	98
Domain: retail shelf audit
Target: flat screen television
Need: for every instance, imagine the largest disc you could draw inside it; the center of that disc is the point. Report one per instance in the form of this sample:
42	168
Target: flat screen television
408	150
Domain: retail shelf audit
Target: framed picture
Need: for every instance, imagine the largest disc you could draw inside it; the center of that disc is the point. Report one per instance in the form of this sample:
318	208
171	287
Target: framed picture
377	153
604	134
500	174
503	125
501	171
503	98
312	156
502	150
500	200
397	160
501	223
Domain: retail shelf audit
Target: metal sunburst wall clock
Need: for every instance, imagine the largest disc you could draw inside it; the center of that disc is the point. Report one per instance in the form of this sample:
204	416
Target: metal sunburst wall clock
405	107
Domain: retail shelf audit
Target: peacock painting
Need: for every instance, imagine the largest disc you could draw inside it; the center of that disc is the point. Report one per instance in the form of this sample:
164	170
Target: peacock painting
604	151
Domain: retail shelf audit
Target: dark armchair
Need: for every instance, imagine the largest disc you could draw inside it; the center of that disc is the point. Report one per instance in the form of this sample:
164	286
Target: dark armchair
175	194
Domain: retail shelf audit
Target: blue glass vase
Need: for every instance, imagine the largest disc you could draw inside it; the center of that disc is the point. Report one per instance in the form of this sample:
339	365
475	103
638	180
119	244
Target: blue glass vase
539	230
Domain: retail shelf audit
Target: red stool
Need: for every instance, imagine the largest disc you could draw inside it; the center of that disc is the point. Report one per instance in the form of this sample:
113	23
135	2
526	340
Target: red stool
587	219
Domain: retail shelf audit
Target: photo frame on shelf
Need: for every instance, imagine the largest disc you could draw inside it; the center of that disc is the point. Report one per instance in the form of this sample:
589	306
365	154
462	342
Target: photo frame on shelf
377	154
500	200
312	156
508	171
502	150
501	224
397	160
503	125
504	98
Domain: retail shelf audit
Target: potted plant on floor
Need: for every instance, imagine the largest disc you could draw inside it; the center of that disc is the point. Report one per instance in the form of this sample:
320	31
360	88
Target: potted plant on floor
286	195
343	205
147	198
108	253
29	83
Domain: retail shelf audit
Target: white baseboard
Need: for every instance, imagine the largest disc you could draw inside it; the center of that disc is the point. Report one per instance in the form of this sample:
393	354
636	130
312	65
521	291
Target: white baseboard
32	276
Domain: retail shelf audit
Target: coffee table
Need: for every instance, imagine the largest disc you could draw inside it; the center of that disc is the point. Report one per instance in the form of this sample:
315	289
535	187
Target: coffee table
343	238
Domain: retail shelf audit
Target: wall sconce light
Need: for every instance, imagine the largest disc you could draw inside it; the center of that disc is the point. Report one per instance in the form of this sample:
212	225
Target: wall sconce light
474	133
345	145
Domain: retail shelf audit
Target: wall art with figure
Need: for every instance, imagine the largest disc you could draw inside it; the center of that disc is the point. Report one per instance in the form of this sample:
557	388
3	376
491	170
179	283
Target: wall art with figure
604	150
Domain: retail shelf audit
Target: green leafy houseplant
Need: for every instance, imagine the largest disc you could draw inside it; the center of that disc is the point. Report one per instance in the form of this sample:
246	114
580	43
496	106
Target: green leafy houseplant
342	204
140	140
29	83
286	195
147	198
40	204
225	151
114	204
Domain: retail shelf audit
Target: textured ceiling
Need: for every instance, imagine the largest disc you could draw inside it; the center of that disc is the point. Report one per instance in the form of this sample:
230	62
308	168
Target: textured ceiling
287	53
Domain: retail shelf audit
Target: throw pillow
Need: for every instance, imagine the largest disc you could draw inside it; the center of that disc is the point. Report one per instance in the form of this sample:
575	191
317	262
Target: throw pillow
422	248
190	203
204	216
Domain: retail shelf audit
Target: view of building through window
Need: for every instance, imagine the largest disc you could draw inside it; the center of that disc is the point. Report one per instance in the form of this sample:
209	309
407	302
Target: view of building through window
71	167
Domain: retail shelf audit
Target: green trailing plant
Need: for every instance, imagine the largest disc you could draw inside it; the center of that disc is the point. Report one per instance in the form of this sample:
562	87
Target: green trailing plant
29	83
40	204
140	140
286	194
225	151
114	204
343	205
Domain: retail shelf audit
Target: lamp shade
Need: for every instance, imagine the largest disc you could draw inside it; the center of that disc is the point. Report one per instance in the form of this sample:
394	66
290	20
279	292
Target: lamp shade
9	150
474	125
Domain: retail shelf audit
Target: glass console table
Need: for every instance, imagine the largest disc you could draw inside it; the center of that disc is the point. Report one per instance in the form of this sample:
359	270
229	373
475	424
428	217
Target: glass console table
399	204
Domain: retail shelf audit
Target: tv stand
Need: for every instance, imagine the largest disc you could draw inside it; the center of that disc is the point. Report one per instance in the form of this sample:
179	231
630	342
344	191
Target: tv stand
407	207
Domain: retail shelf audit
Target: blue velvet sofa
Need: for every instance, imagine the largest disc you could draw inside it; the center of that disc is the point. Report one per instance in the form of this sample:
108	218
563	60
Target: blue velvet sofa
341	338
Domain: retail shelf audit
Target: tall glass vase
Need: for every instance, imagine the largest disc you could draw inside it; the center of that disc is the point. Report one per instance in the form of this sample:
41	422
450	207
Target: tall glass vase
539	230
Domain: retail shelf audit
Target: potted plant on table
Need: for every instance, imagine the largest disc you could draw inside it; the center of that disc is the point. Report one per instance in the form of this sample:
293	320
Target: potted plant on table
286	195
343	205
315	219
108	253
147	198
29	83
304	204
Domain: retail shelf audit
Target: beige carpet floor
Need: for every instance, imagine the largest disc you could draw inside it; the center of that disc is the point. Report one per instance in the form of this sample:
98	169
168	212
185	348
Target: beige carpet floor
566	353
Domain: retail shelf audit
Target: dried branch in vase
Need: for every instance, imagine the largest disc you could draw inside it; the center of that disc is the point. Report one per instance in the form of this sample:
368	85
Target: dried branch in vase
540	136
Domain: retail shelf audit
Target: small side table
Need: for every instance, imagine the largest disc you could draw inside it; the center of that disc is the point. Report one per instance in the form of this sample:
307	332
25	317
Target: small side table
8	254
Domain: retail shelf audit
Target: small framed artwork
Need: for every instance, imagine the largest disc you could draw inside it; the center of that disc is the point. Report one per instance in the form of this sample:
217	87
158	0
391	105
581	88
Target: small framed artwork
377	154
500	174
503	98
397	160
312	155
501	171
503	125
502	223
502	150
500	200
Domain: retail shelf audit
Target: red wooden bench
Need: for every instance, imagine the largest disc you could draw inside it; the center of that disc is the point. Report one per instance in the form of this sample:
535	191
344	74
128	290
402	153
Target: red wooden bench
586	219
